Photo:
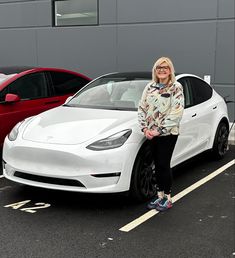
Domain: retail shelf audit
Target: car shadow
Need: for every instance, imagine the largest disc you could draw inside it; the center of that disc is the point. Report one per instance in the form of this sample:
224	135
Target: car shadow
76	200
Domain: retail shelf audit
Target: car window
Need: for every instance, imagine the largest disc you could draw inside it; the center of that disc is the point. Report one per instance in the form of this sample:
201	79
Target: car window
111	94
30	86
188	97
201	90
66	83
3	93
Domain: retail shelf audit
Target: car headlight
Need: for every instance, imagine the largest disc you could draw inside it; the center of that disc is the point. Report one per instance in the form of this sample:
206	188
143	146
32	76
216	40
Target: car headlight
114	141
14	132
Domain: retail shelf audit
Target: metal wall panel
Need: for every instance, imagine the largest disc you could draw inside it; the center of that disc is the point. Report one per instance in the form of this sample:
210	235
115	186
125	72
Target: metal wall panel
107	12
22	1
12	1
224	72
91	50
188	44
130	11
25	14
18	47
229	92
226	9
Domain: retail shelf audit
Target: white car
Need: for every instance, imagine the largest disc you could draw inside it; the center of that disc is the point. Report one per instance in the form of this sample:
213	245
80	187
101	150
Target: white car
93	142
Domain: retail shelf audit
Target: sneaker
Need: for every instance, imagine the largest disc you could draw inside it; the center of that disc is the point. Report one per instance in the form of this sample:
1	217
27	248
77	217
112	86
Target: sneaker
163	206
155	203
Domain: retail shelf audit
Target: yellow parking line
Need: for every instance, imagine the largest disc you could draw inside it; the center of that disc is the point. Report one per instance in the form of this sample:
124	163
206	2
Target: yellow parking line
175	198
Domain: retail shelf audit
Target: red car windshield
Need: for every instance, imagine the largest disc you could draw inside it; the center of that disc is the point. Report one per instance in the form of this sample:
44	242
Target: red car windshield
4	77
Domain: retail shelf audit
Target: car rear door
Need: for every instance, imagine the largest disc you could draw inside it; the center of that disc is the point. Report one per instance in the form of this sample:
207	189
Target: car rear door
64	84
206	110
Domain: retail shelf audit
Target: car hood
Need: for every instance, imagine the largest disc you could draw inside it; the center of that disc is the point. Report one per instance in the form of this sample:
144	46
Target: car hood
69	125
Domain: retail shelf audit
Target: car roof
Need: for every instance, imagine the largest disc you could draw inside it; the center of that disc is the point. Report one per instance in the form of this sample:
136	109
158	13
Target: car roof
11	73
147	75
143	74
15	69
30	69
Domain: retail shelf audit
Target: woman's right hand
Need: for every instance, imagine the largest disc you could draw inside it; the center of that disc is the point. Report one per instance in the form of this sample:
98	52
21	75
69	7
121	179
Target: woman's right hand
148	134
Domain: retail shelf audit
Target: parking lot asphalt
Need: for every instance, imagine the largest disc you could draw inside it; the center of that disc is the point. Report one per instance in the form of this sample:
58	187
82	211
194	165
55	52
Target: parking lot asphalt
40	223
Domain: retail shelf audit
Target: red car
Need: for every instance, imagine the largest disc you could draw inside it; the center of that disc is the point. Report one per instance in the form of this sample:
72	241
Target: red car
28	91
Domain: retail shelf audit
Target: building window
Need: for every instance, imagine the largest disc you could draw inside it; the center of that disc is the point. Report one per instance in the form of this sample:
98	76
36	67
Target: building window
75	12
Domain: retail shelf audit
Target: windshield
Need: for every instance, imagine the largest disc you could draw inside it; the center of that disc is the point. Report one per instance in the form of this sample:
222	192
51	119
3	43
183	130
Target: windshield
4	77
110	93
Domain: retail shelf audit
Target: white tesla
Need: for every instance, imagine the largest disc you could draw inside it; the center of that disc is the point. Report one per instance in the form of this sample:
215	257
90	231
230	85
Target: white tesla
93	142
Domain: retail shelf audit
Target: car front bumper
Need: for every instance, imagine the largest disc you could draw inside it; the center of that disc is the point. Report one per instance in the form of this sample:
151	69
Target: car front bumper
69	167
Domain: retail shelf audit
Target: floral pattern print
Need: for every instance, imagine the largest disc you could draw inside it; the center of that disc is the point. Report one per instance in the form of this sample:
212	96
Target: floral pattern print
161	108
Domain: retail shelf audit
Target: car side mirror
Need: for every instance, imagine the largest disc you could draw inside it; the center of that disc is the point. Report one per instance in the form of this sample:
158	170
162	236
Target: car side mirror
12	98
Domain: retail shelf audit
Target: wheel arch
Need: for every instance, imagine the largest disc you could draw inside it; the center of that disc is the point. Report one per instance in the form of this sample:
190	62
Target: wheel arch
139	152
134	192
223	119
220	140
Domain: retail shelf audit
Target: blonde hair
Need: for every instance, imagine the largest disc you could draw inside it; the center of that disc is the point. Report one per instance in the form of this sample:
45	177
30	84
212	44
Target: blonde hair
159	62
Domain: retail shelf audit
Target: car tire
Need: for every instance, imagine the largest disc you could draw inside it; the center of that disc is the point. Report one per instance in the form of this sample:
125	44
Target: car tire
220	145
143	181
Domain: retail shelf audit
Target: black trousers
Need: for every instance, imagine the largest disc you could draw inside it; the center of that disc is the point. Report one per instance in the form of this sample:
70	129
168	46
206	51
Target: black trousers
162	148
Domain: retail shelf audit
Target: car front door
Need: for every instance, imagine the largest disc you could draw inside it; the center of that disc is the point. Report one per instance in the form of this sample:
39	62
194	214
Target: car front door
33	92
188	130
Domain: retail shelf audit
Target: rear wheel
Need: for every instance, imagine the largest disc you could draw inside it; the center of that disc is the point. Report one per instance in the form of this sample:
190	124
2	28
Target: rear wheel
220	145
143	181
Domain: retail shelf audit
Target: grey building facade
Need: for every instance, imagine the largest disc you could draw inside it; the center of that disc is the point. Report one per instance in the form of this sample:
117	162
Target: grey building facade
130	35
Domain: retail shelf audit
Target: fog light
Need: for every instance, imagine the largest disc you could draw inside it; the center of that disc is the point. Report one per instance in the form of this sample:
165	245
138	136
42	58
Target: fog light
108	174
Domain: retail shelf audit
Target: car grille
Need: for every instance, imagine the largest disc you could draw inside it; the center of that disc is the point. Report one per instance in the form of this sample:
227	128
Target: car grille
48	180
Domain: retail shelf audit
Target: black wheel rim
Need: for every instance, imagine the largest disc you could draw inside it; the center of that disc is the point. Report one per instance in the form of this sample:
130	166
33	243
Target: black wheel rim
147	176
222	140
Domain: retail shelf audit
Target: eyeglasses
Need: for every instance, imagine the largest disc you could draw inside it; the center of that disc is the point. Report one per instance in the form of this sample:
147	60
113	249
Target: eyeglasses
163	68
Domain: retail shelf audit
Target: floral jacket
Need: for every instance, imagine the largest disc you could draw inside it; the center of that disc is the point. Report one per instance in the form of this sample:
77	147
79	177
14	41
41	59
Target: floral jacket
161	108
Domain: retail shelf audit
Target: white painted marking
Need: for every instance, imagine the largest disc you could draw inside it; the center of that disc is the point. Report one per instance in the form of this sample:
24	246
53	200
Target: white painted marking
175	198
17	205
1	176
41	205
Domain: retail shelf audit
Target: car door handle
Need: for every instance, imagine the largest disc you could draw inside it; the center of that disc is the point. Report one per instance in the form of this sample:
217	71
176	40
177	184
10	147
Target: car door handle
52	102
194	115
214	107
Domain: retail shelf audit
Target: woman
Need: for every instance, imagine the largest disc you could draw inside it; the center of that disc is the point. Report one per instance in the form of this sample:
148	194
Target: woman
159	114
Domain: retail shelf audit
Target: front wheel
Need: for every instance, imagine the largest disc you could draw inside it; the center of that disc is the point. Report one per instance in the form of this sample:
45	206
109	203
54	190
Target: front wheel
220	145
143	180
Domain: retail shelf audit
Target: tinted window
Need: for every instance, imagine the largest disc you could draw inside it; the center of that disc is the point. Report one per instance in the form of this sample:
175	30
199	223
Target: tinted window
188	98
201	90
66	83
30	86
3	93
